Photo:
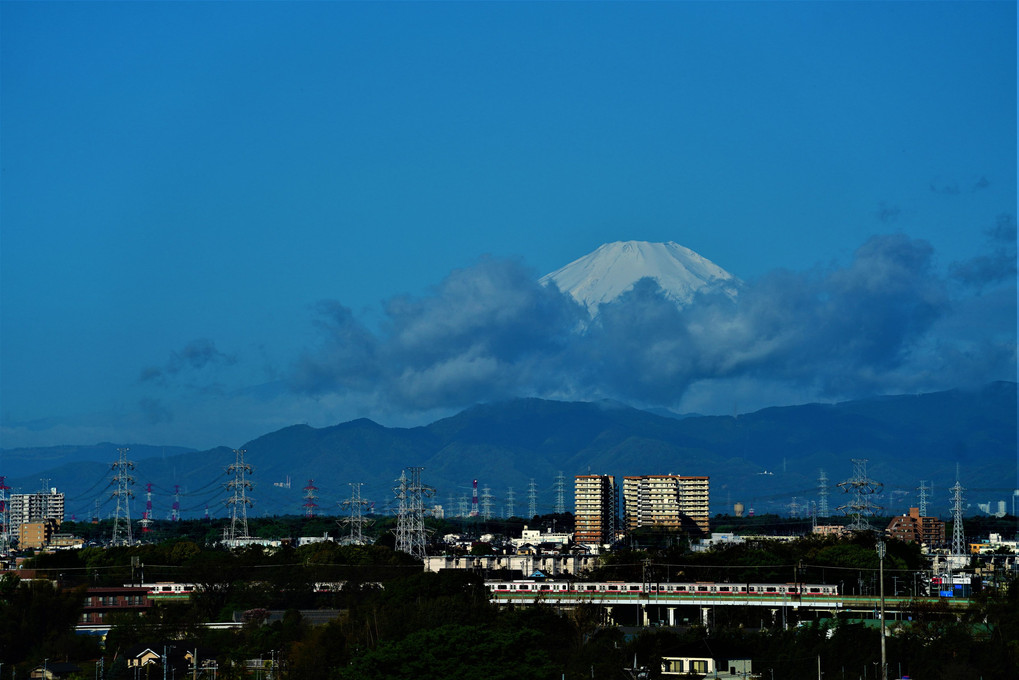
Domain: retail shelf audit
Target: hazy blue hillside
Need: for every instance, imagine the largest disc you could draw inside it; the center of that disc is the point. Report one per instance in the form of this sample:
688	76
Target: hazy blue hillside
763	459
22	462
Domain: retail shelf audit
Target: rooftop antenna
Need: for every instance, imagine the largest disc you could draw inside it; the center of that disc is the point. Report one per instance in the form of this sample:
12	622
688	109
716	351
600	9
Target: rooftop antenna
239	501
122	515
862	488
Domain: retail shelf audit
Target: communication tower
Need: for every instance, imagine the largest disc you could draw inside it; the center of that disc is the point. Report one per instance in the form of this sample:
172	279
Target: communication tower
356	505
532	499
309	498
863	489
238	501
122	515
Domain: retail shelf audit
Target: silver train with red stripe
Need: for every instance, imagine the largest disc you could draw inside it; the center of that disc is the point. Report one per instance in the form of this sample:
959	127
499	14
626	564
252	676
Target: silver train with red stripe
740	590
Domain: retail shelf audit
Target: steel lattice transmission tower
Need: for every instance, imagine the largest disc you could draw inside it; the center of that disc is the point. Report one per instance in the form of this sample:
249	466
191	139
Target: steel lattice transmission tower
822	494
486	503
411	537
122	515
923	489
357	521
309	499
239	501
863	489
532	499
560	493
958	535
510	497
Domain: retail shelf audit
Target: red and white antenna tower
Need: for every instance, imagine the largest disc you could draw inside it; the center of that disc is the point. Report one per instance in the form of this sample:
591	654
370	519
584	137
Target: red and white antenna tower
474	500
175	512
146	520
309	498
5	518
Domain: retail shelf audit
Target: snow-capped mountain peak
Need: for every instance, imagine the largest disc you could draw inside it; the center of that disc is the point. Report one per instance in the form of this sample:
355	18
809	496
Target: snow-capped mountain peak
614	268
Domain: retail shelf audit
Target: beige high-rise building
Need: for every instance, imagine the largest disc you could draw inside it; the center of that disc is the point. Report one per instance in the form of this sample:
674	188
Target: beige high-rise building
595	500
667	501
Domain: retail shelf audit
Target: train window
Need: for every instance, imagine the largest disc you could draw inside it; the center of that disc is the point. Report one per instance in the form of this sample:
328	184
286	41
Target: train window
634	588
613	587
545	587
654	588
591	588
681	589
815	590
723	589
702	589
770	590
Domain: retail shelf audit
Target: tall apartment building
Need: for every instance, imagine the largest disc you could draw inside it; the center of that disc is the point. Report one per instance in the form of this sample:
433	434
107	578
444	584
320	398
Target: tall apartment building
912	528
595	500
667	501
36	507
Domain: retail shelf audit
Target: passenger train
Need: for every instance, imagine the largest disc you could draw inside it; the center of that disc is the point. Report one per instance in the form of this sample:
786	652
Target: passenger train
697	589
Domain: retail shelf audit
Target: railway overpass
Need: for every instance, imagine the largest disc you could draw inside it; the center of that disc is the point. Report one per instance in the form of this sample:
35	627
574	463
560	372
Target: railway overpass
664	608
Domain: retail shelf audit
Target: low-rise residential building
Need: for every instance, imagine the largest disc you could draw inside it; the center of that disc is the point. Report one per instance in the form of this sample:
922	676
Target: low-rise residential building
100	602
36	535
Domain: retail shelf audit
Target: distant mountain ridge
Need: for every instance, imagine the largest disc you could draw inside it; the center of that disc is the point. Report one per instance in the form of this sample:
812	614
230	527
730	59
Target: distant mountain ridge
614	268
905	438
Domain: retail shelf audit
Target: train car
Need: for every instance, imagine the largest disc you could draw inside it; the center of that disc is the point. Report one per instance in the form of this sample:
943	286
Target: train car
699	589
165	590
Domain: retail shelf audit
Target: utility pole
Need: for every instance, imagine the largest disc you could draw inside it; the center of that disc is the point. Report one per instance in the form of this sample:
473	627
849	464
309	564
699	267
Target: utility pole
881	578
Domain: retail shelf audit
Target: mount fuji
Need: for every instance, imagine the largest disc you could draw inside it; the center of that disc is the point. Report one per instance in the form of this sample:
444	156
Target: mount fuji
614	268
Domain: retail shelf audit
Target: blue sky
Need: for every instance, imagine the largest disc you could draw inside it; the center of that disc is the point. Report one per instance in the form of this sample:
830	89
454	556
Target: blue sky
219	219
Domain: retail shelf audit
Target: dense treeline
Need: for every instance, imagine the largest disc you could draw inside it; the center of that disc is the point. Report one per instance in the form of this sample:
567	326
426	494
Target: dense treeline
393	621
